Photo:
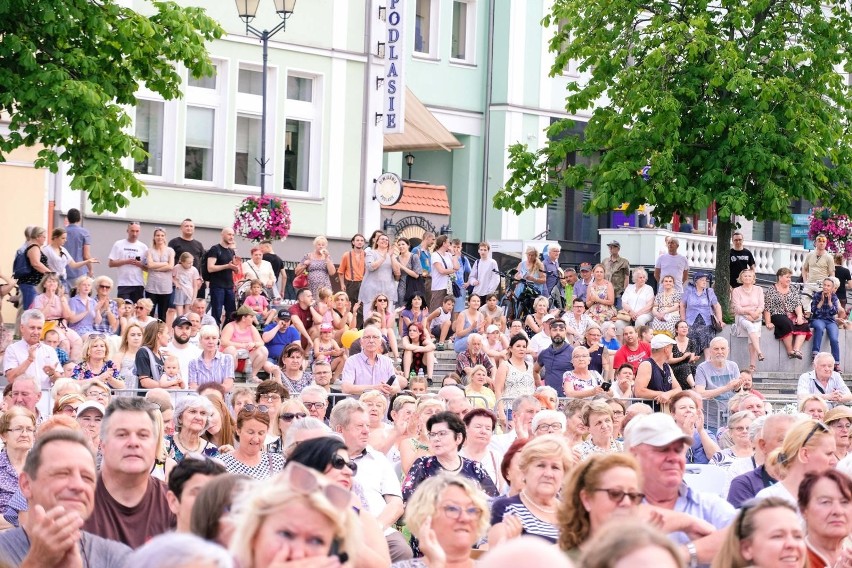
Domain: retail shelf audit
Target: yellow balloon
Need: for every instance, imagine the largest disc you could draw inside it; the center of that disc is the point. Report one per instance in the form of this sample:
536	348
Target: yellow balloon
349	337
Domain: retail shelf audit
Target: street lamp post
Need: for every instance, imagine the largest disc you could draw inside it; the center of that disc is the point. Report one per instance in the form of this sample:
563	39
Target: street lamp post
247	9
409	159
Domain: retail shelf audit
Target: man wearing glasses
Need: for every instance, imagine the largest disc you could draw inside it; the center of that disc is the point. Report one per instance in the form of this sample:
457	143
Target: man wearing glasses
369	369
741	258
128	256
659	445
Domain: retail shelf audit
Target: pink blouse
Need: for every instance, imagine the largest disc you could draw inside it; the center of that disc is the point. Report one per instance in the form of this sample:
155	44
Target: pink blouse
744	301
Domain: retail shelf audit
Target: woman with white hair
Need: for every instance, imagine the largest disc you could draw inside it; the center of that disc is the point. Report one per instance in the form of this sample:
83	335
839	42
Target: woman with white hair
180	550
636	302
547	422
192	417
739	425
581	381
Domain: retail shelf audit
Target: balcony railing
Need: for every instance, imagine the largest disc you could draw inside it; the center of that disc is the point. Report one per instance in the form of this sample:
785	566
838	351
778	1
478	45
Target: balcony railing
643	246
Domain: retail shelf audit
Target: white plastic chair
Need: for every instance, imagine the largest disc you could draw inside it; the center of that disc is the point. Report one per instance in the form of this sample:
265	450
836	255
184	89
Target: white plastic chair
707	478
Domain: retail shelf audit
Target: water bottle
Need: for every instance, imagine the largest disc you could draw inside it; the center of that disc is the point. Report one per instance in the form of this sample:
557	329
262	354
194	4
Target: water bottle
411	376
420	373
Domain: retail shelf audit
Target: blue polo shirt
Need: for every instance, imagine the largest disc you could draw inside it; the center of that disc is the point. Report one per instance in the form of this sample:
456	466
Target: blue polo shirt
555	363
281	340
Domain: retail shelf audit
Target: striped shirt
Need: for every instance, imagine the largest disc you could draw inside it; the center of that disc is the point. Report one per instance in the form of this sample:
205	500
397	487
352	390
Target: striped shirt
221	368
530	523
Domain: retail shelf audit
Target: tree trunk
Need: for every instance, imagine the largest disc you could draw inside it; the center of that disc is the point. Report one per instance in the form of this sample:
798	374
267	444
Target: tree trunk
724	229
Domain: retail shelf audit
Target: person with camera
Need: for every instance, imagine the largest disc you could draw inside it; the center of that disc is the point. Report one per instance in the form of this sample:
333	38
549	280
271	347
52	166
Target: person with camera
318	265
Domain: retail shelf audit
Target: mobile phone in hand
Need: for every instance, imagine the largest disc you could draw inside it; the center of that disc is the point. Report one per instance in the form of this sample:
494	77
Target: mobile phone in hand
606	386
391	380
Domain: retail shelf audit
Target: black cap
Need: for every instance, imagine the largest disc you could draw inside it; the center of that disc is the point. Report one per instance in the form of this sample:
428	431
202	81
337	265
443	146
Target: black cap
284	314
181	320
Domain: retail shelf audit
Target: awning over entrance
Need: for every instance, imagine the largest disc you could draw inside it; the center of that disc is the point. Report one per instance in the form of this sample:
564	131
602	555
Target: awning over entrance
422	130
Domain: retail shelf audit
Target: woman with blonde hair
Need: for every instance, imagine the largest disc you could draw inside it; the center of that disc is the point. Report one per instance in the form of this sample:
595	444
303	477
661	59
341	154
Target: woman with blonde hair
809	446
763	532
594	494
544	462
814	406
82	308
315	515
534	322
52	302
747	304
96	363
600	296
531	269
142	312
159	265
125	359
318	266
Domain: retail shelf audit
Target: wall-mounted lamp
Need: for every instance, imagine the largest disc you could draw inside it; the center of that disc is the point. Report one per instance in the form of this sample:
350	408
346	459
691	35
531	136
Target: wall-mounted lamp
386	226
383	13
380	50
379	82
409	159
446	229
379	117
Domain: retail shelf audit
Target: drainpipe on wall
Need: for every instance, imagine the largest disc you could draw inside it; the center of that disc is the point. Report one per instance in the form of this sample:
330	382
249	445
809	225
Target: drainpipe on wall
365	123
489	87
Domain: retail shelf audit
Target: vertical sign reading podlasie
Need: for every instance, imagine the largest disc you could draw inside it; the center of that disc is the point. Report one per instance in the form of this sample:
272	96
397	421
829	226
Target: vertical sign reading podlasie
262	219
394	103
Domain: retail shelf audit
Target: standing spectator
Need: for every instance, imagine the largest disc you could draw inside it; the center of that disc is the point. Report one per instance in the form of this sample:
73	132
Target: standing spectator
783	312
556	359
843	278
222	263
128	255
672	264
160	263
552	272
484	274
424	252
186	242
59	259
818	265
369	369
582	285
824	309
747	304
30	356
379	278
443	267
256	268
79	244
318	266
36	262
531	271
410	280
277	268
741	259
617	270
698	305
130	505
351	271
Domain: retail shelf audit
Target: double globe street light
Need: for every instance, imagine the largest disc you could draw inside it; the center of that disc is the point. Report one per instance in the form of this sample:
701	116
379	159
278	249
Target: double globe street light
247	9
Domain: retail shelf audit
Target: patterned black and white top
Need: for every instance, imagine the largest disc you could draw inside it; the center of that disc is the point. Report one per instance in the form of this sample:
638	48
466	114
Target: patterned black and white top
532	525
269	465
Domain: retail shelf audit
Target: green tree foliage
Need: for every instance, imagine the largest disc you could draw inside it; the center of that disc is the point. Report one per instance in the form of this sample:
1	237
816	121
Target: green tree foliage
741	103
69	70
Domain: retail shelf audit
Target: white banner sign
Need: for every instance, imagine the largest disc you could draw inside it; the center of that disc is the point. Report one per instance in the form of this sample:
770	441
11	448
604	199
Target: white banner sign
394	85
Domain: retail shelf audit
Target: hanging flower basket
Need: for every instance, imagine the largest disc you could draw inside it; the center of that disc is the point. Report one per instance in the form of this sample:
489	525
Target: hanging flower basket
262	219
835	227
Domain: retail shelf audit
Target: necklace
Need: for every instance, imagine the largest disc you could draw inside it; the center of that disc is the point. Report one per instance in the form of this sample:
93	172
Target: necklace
455	469
546	510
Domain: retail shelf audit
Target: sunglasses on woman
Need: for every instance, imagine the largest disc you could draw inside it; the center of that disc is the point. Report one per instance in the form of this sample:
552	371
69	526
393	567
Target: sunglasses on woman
253	407
289	416
337	462
617	495
304	481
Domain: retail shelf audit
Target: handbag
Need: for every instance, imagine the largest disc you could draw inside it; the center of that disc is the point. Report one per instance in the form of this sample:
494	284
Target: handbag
623	315
300	281
715	324
452	287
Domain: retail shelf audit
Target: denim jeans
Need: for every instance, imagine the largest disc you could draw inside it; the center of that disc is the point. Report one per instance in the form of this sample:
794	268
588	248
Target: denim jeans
222	298
28	295
830	327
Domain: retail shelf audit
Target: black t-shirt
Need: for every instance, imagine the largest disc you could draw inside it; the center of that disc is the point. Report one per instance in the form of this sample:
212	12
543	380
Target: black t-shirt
275	261
222	278
193	247
740	260
842	273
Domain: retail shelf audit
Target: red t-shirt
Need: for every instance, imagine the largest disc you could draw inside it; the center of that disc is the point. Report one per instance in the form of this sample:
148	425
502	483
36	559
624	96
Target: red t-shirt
306	317
633	358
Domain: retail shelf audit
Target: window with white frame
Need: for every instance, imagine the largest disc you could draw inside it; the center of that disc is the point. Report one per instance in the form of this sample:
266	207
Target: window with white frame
301	139
247	151
426	27
200	138
250	82
204	127
249	107
149	130
463	30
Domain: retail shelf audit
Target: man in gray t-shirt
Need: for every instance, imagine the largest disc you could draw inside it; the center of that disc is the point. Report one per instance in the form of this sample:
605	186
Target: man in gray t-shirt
58	482
672	264
718	377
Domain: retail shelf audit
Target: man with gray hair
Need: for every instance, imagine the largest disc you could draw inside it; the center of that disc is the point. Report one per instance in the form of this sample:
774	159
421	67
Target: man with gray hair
58	481
823	381
315	399
766	433
718	377
672	264
376	476
30	356
524	409
130	505
471	357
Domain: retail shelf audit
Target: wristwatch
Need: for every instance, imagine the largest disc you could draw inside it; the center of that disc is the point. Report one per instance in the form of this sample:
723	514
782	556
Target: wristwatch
693	554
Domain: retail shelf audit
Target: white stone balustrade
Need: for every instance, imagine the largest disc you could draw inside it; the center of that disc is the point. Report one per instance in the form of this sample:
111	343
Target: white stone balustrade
643	246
